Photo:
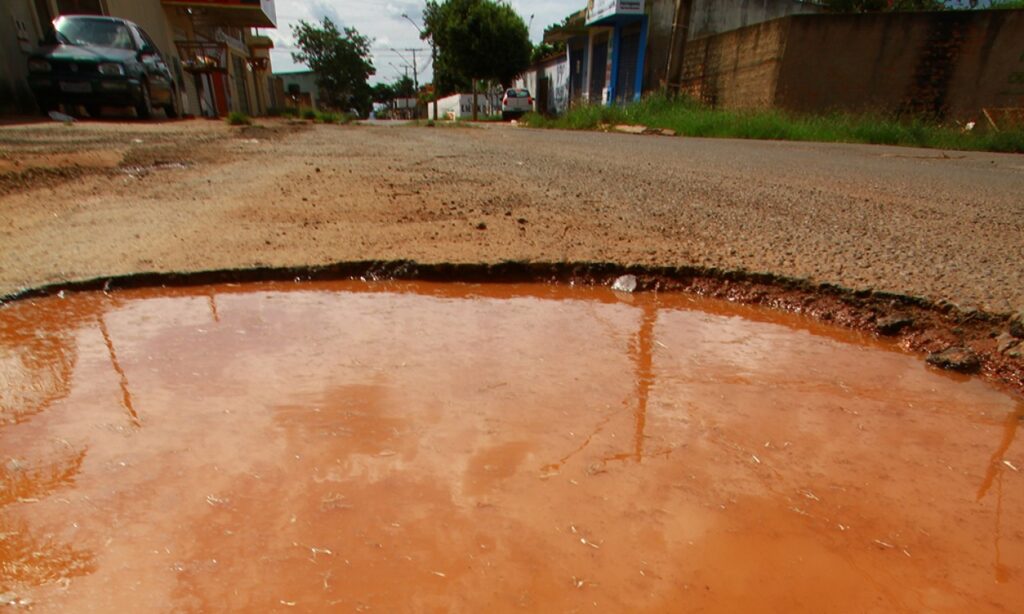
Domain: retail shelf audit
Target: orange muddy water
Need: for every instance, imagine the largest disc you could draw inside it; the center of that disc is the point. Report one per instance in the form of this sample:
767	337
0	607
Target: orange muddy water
414	447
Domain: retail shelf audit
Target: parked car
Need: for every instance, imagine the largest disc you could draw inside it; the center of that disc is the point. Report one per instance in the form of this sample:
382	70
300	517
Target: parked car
516	103
102	61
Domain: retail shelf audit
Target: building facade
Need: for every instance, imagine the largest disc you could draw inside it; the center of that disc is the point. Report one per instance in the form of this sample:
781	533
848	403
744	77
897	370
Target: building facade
618	49
219	63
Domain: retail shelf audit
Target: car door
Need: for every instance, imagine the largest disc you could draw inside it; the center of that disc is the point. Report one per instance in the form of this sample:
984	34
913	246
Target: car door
161	82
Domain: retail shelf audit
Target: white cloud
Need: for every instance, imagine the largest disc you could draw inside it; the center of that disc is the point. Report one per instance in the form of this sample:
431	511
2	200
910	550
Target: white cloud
383	22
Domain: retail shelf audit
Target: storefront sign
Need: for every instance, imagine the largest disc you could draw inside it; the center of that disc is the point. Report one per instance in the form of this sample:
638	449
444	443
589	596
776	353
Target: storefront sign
602	9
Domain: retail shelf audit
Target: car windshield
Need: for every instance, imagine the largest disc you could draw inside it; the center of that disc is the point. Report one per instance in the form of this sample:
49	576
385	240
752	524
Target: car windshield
94	32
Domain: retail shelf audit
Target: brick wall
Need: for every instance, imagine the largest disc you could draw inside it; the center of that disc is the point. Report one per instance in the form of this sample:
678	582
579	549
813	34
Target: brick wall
737	69
946	65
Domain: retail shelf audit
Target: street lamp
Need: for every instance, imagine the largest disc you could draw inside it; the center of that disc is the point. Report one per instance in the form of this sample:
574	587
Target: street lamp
433	57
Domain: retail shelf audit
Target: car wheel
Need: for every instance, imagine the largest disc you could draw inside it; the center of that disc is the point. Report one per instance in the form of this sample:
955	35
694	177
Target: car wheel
144	110
172	109
95	111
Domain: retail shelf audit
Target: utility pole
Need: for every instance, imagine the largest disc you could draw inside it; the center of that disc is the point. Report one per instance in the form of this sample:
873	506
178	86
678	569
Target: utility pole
433	57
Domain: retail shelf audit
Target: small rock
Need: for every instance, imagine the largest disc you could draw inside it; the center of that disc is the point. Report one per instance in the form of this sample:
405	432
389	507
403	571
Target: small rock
959	359
668	132
626	283
1017	325
893	325
1006	342
481	226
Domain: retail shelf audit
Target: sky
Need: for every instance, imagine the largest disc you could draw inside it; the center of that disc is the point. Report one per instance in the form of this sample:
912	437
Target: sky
381	20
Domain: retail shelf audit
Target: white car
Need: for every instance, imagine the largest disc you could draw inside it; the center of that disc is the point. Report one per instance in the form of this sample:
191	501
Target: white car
516	103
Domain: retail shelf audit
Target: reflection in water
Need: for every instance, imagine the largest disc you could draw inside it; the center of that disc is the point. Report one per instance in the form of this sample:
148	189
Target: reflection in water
126	395
343	446
35	369
642	352
22	481
994	475
28	558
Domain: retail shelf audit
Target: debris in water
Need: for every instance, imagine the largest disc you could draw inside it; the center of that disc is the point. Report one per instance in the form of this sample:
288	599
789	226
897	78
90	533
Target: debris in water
626	283
884	544
214	501
756	459
290	604
1010	465
578	582
810	495
439	574
844	527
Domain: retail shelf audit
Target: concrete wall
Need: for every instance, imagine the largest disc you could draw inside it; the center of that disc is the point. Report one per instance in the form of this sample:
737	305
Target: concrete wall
738	69
937	64
711	17
306	81
943	65
555	88
17	22
661	14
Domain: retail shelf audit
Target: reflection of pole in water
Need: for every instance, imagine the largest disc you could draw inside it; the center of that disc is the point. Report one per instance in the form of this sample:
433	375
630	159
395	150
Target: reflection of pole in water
212	298
642	350
994	475
126	395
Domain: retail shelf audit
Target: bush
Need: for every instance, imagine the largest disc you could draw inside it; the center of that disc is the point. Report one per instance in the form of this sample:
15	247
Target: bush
239	119
309	114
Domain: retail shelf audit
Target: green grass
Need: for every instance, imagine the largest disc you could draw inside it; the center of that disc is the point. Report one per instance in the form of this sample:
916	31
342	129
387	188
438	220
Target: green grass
324	117
239	119
690	118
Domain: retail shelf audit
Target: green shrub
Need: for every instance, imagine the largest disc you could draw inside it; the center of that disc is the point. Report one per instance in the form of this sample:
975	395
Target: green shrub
691	118
309	114
239	119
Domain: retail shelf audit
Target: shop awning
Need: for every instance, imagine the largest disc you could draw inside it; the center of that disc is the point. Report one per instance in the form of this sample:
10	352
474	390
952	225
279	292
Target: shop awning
236	13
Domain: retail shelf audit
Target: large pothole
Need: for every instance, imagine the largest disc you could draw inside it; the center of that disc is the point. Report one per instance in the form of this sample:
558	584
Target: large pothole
416	446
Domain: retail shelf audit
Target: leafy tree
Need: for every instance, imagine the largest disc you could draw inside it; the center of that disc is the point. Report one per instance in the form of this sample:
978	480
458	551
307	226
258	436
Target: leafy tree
477	39
544	50
341	61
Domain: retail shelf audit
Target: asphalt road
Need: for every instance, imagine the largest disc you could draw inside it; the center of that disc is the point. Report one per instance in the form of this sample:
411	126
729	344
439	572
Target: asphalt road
942	225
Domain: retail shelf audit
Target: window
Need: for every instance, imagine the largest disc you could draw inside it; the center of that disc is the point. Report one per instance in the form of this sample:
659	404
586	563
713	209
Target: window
94	32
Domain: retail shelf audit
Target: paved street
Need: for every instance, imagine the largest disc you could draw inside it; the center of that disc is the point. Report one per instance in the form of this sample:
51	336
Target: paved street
110	198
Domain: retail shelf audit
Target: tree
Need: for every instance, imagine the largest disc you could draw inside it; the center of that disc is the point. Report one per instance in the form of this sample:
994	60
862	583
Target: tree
545	50
341	61
477	39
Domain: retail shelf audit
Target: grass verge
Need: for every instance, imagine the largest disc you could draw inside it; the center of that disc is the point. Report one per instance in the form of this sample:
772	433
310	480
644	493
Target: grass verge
690	118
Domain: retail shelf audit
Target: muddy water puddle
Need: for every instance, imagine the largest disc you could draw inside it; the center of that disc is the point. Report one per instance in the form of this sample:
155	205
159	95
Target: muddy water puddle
414	447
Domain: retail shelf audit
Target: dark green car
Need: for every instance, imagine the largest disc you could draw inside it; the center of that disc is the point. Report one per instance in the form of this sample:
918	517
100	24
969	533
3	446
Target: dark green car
102	61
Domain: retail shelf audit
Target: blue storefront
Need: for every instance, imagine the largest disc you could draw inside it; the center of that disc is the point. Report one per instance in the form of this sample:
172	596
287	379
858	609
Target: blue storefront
618	41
